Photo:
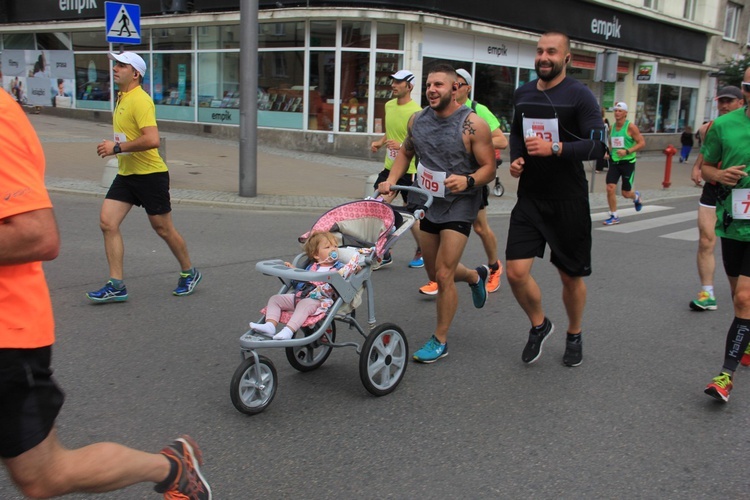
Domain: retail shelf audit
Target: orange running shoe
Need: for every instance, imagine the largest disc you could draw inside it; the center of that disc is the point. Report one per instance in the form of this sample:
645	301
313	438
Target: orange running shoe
430	288
493	282
189	484
720	387
746	357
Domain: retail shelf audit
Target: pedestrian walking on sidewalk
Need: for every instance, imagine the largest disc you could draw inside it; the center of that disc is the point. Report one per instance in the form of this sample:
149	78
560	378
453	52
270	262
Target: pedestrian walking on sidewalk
142	179
557	125
686	139
625	140
728	99
30	398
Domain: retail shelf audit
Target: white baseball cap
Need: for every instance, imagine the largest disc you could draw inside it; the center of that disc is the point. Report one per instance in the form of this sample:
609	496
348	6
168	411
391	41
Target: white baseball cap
622	106
131	58
403	74
465	75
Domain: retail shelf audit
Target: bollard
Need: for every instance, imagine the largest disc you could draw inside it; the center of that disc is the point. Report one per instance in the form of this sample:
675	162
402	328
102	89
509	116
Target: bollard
110	171
670	151
369	183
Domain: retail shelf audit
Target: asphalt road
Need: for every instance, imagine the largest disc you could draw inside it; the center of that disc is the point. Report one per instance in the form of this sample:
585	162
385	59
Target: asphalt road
631	422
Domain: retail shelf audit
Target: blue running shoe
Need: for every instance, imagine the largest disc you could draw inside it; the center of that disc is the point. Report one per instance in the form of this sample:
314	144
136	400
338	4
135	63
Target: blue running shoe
417	262
478	290
187	282
431	351
108	293
637	202
612	221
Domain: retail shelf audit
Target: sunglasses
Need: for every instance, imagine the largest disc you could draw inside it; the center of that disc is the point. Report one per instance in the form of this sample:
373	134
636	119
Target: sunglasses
746	86
466	84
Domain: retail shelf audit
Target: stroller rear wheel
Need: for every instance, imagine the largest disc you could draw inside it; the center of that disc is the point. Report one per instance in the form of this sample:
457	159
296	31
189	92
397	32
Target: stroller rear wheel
250	393
312	356
383	360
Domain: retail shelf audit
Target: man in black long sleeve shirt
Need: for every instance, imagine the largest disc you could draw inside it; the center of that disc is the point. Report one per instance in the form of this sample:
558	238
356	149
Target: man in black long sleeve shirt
556	126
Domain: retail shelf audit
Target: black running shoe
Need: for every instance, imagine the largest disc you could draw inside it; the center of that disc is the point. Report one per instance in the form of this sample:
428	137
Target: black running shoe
533	348
573	352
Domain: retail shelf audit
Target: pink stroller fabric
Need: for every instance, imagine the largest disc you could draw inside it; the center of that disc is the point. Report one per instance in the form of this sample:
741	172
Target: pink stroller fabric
364	223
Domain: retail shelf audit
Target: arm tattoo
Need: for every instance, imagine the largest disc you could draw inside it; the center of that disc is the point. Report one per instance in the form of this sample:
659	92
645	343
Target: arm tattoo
468	127
409	143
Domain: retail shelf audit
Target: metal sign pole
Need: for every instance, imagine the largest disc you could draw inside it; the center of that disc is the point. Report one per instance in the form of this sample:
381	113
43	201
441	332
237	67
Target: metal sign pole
248	98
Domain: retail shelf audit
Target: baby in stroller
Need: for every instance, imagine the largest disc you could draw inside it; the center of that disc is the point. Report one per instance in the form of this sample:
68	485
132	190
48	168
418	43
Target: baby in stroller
308	298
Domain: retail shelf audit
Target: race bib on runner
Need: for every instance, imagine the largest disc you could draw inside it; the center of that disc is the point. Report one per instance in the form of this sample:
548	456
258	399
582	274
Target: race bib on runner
546	128
741	203
618	143
431	180
120	137
392	153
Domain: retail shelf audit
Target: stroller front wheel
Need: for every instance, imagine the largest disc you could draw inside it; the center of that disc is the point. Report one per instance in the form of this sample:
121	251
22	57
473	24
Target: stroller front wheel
383	360
312	356
253	388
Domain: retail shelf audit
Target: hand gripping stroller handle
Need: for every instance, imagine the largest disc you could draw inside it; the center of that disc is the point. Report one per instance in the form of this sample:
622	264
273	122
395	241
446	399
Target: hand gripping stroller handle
419	212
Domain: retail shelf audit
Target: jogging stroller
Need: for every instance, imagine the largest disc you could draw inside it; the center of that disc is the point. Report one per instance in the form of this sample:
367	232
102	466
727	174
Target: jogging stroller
369	227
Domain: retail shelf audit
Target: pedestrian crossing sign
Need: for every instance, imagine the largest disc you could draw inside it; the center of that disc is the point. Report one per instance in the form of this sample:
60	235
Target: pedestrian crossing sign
123	22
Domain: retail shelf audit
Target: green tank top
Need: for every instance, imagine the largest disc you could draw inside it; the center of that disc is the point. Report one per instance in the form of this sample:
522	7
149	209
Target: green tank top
627	142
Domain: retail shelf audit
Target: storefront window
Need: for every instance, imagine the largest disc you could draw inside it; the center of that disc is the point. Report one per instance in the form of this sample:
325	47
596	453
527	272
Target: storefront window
355	68
20	41
220	37
356	34
646	108
390	36
669	105
322	33
322	83
688	104
494	87
386	64
277	35
92	81
525	75
172	81
53	41
280	89
90	40
219	88
172	38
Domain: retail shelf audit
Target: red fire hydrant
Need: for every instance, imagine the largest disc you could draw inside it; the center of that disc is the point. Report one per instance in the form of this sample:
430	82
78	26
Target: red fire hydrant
670	151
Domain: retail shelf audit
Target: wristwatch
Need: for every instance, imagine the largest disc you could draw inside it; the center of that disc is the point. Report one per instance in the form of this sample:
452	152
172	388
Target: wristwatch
117	150
556	148
469	181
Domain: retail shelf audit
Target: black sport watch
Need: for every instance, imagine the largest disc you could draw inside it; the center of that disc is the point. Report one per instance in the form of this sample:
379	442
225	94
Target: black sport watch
117	150
469	181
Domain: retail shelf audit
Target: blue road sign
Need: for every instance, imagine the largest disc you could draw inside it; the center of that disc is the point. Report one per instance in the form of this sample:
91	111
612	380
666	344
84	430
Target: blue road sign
122	22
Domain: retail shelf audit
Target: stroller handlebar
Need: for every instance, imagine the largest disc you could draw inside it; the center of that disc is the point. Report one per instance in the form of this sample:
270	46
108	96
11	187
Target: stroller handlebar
419	213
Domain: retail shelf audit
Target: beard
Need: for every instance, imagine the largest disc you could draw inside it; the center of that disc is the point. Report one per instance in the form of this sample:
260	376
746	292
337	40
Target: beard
552	73
443	103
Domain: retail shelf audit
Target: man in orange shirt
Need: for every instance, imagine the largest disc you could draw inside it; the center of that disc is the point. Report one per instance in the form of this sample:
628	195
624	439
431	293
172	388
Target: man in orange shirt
29	397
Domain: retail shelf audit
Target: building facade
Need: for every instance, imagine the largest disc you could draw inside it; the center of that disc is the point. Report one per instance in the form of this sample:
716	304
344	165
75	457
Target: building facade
324	67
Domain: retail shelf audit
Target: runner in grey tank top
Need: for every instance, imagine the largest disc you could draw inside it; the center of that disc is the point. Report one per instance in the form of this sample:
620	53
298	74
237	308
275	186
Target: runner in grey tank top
440	147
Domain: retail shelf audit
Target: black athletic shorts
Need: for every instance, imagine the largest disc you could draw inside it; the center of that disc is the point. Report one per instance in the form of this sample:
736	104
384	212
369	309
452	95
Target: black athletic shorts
432	228
624	169
485	196
150	191
564	225
736	257
29	399
405	180
709	195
